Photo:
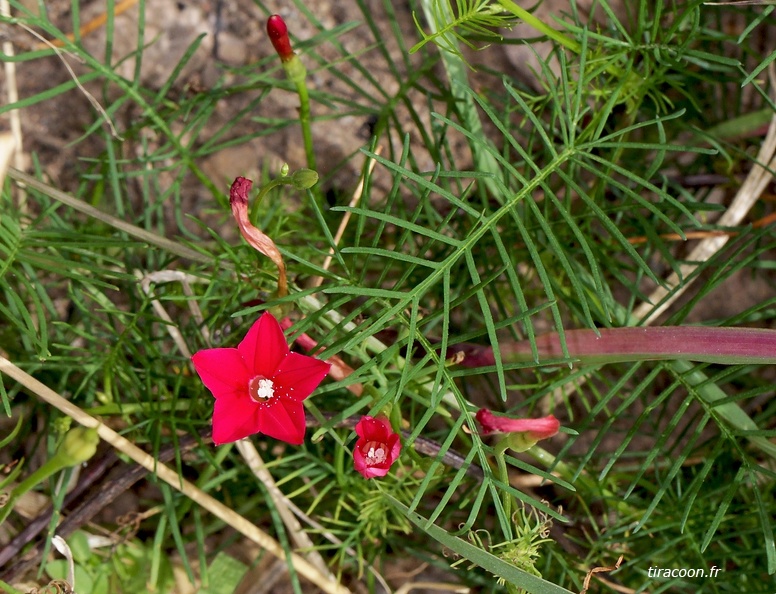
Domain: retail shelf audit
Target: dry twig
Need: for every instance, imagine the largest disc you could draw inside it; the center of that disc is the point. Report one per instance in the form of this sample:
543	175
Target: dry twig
588	577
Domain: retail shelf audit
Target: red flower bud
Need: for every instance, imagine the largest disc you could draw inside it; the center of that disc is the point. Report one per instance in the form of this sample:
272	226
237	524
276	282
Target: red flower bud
278	35
377	447
535	428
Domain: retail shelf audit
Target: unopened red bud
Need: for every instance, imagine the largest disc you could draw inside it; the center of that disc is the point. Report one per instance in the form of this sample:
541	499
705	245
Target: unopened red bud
278	35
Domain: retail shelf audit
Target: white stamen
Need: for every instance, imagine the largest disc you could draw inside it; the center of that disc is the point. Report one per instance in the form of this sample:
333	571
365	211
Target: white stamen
266	389
375	456
261	389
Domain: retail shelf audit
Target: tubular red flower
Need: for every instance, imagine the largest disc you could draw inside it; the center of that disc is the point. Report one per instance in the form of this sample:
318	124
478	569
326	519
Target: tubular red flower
377	448
278	35
238	200
536	429
259	386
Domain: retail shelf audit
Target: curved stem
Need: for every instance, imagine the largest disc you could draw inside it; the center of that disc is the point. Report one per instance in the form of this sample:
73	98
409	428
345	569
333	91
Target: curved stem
273	183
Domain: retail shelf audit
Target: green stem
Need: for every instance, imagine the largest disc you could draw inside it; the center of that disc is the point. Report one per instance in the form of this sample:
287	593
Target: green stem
540	26
501	461
274	183
305	121
54	465
297	74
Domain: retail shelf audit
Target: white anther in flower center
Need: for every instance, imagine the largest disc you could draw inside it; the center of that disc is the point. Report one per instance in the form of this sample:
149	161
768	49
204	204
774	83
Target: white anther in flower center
375	454
265	388
261	388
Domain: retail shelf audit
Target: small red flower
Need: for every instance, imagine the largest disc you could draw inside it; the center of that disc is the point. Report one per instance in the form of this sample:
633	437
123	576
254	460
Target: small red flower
535	428
259	386
278	35
377	447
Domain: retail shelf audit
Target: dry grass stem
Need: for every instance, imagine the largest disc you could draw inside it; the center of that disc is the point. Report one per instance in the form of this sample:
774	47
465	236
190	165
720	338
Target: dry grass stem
300	538
7	146
166	276
95	104
14	118
316	282
173	247
333	539
435	586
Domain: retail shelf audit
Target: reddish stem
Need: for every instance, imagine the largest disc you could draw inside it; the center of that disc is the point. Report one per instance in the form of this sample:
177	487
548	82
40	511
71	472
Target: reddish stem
613	345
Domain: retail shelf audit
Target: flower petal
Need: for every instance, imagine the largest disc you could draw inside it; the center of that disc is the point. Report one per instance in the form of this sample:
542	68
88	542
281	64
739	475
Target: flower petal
541	428
359	463
394	445
283	419
222	371
298	375
373	429
264	347
234	418
359	460
544	427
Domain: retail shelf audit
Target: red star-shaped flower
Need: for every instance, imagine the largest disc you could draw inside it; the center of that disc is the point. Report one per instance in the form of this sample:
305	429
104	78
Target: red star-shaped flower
259	386
377	447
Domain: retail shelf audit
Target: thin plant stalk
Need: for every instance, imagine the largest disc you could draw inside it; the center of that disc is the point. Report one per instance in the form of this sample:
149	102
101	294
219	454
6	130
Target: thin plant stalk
720	345
297	74
305	122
